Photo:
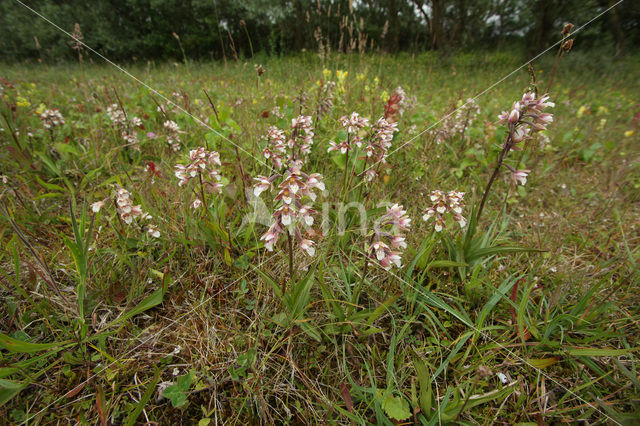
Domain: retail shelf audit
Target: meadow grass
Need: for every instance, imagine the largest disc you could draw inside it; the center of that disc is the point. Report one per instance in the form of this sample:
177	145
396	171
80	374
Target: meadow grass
103	323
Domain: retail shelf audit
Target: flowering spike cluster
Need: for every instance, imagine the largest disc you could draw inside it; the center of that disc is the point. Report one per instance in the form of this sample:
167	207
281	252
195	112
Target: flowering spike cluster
445	203
458	122
527	117
51	118
353	124
301	134
378	145
388	239
282	151
397	103
295	213
127	211
324	99
116	115
119	120
173	134
203	164
275	150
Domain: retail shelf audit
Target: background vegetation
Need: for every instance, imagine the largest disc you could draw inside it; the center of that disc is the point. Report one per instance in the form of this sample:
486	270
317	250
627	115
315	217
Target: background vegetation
217	29
531	319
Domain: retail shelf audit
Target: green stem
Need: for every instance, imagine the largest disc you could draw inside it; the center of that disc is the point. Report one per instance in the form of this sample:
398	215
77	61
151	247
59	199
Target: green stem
505	150
290	243
346	169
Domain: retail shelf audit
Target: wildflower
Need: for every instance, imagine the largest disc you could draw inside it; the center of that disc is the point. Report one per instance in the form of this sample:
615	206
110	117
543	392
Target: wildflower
116	115
581	111
520	176
275	149
628	133
378	145
282	150
388	241
457	122
308	246
445	203
173	134
277	112
527	117
95	207
131	138
353	124
396	105
294	215
262	185
153	231
51	118
324	97
301	135
204	164
127	211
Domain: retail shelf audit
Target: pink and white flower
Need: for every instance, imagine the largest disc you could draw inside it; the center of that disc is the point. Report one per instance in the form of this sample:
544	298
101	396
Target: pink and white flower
443	204
388	241
204	165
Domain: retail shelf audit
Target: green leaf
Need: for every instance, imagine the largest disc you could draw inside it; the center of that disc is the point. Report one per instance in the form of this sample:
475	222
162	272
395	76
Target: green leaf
18	346
492	251
148	393
542	362
49	164
445	264
177	393
9	389
426	392
382	308
149	302
396	407
269	280
600	351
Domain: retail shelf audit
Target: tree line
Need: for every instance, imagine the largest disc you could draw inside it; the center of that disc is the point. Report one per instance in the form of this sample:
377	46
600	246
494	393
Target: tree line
236	29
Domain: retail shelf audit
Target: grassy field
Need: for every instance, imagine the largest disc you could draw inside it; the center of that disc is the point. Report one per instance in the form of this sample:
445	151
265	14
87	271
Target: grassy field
527	316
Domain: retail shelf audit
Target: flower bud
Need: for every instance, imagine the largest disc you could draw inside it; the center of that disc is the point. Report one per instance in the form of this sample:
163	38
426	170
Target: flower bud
514	116
567	29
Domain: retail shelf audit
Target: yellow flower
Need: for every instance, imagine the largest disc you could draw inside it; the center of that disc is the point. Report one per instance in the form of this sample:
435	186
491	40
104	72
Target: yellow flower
326	74
361	76
22	102
603	110
197	102
628	133
581	111
41	108
603	123
341	75
384	95
255	101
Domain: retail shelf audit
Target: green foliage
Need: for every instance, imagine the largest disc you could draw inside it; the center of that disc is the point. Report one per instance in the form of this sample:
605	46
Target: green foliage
96	315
